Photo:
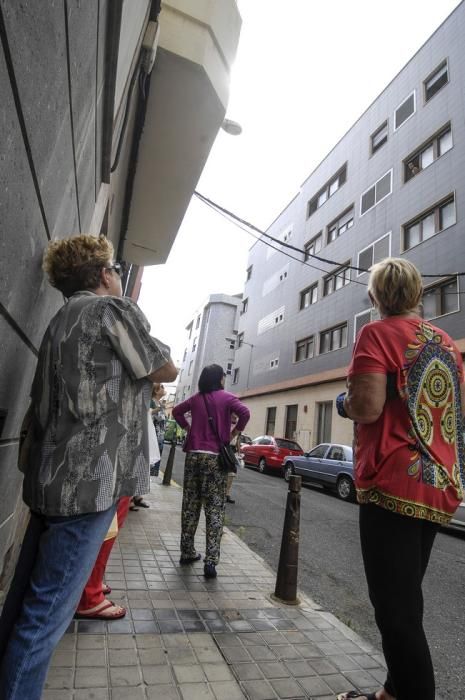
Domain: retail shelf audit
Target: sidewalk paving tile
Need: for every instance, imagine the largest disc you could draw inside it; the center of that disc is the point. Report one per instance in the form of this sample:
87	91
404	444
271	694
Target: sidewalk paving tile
60	678
187	638
93	694
196	691
162	692
259	690
93	677
287	688
91	657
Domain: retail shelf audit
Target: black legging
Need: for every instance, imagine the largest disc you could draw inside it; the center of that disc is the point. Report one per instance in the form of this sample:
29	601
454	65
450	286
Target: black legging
396	551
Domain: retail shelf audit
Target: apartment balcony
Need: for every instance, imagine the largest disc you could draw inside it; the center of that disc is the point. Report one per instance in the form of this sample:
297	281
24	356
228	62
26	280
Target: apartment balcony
187	103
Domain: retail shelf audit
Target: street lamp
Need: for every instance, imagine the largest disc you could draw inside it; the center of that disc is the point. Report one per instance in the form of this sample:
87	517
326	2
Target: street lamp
231	127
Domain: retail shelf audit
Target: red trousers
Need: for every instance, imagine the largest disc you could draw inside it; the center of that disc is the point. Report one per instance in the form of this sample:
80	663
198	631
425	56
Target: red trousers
92	594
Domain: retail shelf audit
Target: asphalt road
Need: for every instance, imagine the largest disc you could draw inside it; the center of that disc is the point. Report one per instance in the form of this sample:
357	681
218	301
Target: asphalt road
330	565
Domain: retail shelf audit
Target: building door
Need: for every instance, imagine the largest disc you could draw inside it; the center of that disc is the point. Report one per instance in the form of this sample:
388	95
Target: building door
324	417
270	420
291	422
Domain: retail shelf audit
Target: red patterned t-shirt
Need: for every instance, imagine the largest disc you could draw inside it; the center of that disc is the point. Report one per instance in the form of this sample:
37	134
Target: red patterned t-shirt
412	459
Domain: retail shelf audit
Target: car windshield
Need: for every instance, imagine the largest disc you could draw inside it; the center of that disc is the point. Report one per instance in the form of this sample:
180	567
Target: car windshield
288	444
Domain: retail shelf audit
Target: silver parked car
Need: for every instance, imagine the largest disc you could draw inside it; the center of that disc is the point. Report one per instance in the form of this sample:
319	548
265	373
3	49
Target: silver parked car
327	464
458	519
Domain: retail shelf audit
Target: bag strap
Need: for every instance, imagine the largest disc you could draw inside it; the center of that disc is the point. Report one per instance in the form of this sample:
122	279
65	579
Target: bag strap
210	420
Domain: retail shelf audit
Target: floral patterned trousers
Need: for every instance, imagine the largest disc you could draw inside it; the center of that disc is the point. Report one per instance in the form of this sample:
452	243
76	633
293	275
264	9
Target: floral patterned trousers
205	484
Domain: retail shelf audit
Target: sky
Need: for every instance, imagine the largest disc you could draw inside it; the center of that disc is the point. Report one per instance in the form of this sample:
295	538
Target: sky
305	70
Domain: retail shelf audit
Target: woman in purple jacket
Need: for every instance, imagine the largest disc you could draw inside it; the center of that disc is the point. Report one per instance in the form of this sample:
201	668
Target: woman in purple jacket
204	481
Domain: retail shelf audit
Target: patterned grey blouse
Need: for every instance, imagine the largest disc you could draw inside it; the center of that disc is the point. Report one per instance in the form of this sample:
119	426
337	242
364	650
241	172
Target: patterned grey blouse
90	398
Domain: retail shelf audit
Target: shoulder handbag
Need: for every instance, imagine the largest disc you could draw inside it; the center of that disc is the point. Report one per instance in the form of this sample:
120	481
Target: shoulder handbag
226	459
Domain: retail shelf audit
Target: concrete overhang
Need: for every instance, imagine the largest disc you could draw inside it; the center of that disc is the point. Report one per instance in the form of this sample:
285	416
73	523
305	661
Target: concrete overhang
186	105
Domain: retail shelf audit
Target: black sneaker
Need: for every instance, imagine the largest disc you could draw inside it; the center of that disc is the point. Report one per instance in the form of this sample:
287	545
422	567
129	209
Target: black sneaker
229	499
209	571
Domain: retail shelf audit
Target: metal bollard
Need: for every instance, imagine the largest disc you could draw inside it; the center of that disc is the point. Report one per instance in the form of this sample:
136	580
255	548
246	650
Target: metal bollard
169	465
286	580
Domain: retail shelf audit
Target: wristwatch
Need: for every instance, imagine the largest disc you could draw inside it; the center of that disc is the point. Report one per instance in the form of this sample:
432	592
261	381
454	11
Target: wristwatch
340	405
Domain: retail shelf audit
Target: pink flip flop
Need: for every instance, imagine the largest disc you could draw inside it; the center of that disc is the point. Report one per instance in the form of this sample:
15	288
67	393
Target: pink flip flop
100	613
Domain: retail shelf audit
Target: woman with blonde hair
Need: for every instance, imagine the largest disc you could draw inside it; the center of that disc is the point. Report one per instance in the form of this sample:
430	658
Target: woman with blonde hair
406	398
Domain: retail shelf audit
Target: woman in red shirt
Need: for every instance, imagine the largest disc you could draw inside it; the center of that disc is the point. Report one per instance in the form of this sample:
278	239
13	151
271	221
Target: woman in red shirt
406	397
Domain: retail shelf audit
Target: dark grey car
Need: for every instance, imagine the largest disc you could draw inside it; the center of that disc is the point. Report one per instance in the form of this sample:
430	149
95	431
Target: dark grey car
327	464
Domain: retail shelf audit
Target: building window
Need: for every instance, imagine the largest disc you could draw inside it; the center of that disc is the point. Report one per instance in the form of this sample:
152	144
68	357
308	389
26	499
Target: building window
436	80
333	338
336	280
379	137
428	153
197	323
361	320
240	340
327	191
235	376
441	298
308	296
286	235
378	250
270	422
248	273
404	111
185	355
304	348
337	227
274	363
428	224
245	303
313	246
194	344
191	364
324	412
229	368
291	422
271	320
275	280
190	330
376	193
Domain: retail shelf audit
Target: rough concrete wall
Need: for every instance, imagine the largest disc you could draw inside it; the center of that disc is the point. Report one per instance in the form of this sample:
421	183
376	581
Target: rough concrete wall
51	86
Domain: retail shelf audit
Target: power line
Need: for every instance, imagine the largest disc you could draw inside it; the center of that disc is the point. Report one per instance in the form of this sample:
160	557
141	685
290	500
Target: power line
234	217
238	222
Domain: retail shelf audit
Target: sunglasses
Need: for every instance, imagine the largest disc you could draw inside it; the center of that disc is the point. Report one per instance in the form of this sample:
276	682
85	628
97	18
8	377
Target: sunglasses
117	267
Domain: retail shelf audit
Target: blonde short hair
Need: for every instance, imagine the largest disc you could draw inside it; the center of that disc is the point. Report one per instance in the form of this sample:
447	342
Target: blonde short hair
74	264
395	286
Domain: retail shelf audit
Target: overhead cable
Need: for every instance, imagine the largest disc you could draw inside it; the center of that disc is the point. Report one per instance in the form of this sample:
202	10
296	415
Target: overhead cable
283	244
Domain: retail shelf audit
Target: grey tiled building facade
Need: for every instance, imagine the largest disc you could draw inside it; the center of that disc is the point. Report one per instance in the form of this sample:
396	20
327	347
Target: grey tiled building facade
393	185
210	340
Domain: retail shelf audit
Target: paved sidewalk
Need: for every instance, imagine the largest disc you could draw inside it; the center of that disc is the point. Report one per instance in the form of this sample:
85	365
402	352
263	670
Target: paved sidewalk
187	638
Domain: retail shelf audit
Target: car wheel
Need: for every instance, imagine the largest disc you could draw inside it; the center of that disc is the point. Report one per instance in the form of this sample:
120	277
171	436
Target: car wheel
262	465
345	488
288	471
